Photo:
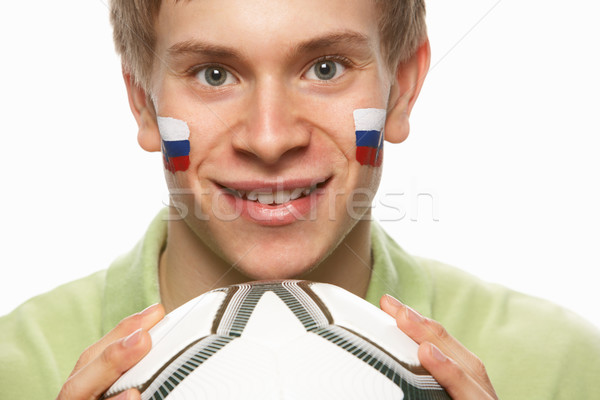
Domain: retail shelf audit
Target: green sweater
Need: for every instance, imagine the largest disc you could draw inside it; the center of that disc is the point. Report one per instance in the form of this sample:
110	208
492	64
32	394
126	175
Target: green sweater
532	349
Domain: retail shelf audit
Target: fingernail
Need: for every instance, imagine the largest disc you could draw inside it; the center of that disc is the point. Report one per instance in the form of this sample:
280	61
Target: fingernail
437	353
121	396
149	310
413	315
393	301
133	338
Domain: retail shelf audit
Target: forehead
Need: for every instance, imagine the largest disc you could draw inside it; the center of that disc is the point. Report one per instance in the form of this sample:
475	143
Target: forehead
256	25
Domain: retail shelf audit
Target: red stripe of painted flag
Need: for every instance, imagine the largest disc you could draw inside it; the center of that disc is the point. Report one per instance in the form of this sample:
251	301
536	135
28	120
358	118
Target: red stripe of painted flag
175	164
369	156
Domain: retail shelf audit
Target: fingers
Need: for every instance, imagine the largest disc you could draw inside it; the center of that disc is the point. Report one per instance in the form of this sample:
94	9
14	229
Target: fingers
145	320
131	394
91	381
458	383
105	361
422	329
461	373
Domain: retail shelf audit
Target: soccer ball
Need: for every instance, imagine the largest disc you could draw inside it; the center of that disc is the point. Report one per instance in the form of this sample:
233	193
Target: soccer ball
279	340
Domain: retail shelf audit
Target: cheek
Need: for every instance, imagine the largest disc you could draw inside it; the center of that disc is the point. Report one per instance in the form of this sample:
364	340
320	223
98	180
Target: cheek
175	136
368	124
364	180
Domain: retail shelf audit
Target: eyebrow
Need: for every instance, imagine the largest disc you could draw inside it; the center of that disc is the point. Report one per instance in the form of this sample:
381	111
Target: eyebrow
350	39
193	47
346	39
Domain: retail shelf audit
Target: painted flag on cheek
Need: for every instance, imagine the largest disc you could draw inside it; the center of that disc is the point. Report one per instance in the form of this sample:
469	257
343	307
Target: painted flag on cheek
369	123
175	135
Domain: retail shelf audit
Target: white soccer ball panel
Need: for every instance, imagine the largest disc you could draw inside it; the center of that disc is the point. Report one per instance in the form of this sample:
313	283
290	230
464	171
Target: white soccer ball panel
173	333
244	369
272	324
282	371
329	372
280	340
352	312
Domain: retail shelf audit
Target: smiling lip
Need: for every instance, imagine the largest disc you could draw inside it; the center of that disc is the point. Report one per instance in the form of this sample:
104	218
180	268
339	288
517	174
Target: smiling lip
273	203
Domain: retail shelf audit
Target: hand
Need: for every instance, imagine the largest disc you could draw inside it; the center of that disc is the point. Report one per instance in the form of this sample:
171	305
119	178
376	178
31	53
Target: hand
459	371
101	364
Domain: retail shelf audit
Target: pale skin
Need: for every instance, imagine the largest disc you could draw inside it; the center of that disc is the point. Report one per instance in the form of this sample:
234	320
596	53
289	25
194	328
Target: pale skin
272	121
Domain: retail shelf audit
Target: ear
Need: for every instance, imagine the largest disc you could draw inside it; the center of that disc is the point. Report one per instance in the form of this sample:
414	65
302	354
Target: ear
406	87
145	116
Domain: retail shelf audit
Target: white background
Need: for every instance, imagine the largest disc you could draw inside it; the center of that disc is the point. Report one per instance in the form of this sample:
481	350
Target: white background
504	145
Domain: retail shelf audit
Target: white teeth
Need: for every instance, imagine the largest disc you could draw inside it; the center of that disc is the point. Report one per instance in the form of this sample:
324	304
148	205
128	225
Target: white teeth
282	196
296	193
279	197
253	196
265	198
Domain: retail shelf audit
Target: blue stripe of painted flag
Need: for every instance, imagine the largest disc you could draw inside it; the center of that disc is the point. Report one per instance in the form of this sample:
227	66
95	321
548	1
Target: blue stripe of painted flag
368	139
177	148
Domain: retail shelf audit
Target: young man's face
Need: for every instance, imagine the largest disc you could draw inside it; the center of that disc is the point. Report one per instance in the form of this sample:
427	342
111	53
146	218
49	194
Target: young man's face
268	90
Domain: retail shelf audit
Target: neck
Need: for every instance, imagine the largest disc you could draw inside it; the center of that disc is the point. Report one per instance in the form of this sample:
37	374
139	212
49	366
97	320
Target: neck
189	268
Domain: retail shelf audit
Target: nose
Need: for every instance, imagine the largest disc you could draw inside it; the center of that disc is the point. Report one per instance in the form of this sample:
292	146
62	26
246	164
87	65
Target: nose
272	128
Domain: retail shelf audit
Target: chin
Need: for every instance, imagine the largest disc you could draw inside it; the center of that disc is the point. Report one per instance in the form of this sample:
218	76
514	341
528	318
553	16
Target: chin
278	268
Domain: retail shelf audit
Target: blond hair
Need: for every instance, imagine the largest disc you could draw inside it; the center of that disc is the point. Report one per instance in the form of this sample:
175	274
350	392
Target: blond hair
402	27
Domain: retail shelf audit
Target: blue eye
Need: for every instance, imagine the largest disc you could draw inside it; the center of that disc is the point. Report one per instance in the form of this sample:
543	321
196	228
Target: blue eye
325	70
215	76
